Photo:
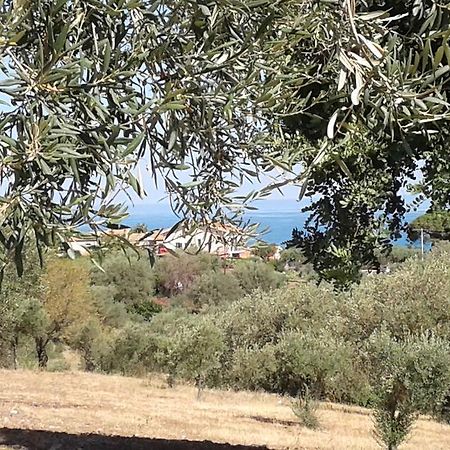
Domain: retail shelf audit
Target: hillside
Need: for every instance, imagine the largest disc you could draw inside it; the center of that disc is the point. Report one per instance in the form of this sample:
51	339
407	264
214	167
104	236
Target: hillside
70	404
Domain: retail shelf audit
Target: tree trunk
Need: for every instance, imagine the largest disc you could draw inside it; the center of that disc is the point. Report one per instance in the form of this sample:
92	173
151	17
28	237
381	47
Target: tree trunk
14	346
88	361
41	352
199	384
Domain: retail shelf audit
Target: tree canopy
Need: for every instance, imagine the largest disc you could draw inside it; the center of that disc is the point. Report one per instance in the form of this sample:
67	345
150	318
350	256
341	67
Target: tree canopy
346	98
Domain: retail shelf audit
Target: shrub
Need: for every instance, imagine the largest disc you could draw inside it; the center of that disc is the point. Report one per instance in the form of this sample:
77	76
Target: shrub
413	299
130	280
293	259
407	377
110	313
304	407
254	320
253	275
252	368
192	350
58	365
128	351
175	274
146	310
214	288
261	317
86	340
325	365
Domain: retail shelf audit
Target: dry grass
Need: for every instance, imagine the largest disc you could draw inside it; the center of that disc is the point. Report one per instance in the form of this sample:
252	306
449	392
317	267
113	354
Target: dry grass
91	403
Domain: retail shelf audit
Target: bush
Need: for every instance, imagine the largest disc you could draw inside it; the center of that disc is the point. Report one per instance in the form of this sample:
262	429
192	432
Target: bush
130	280
407	378
175	274
304	407
193	350
255	320
87	341
58	365
214	288
319	362
253	275
128	351
252	368
413	299
146	310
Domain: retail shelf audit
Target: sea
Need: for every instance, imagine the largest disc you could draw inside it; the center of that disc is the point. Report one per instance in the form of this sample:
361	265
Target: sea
276	219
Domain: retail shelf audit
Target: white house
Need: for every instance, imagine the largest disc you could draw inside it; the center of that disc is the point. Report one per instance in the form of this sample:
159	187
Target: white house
216	238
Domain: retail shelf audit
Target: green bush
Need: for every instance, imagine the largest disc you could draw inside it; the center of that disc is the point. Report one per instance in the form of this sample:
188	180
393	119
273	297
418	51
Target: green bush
130	280
129	350
434	221
192	350
87	340
251	368
58	365
146	310
325	365
408	377
214	288
413	299
304	407
253	275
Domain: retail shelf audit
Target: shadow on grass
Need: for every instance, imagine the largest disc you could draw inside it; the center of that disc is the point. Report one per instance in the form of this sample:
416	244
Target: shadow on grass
46	440
285	423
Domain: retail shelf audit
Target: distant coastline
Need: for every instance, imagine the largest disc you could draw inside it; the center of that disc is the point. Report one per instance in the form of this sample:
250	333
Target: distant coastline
279	216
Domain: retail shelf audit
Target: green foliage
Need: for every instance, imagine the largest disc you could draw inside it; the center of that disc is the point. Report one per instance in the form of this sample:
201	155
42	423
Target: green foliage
20	306
193	349
253	275
126	350
251	367
304	407
87	341
413	299
435	222
130	279
408	377
111	313
58	365
175	274
322	363
293	259
397	255
91	89
146	310
215	288
360	127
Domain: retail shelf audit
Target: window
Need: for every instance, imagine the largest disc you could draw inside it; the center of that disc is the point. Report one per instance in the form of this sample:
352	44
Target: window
199	242
178	245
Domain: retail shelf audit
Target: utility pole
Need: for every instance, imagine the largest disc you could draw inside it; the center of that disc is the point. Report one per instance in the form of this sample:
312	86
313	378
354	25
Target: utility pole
421	242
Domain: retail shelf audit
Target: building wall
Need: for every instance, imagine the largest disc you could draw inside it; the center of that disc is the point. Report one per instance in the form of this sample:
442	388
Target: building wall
202	239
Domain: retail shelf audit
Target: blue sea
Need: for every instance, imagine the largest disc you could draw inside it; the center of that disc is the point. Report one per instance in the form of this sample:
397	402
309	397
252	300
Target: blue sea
279	217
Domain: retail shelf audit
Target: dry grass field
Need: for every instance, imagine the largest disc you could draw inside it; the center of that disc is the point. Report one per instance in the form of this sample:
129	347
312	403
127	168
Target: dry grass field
68	404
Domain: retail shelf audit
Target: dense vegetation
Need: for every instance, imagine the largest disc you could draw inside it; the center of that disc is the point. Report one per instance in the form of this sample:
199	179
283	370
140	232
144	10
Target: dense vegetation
383	344
353	92
434	222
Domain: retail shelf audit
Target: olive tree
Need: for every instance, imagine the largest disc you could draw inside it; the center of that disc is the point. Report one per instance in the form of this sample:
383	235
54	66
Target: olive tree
408	377
346	98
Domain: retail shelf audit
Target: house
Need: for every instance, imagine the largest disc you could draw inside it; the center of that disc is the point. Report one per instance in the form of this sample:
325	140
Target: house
226	241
